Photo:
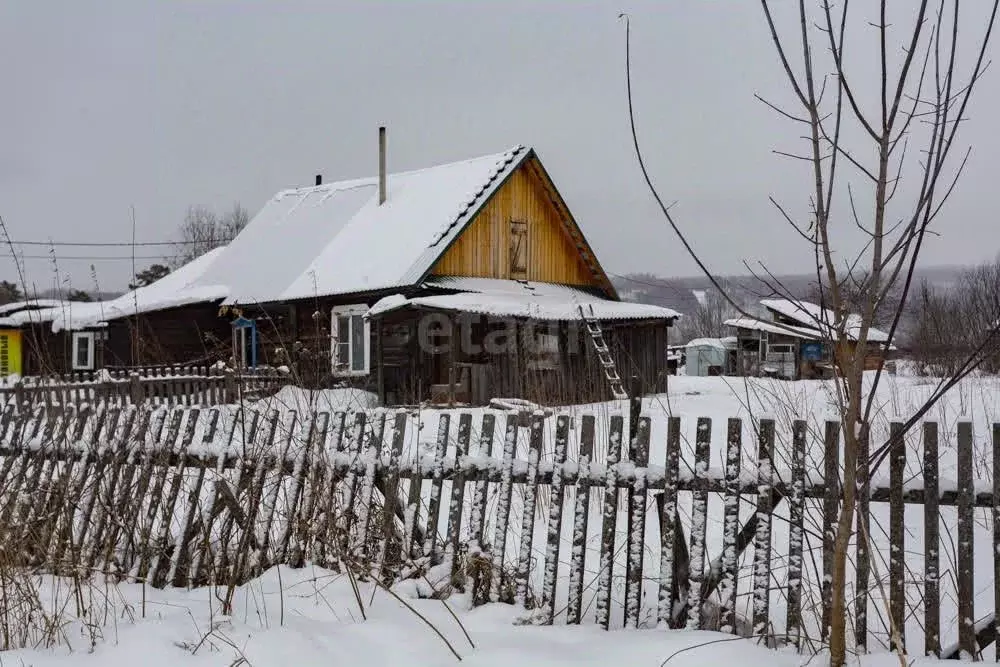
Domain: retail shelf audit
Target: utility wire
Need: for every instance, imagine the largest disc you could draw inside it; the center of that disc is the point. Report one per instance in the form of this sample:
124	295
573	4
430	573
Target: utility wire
93	258
115	245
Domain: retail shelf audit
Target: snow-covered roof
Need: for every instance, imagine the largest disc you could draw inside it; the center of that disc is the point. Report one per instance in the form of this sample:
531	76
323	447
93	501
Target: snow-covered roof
706	342
813	316
560	308
336	238
173	290
28	303
752	324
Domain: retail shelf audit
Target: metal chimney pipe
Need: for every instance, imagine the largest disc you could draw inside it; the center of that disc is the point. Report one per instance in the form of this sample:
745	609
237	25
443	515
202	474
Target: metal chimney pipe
319	179
381	165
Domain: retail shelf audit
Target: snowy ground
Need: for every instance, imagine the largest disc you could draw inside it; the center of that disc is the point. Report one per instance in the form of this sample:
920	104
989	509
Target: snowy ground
312	617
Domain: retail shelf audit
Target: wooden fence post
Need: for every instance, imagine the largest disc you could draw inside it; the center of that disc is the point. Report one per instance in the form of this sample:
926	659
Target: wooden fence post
581	514
610	512
932	593
499	546
762	537
230	389
528	513
437	477
478	559
19	398
796	511
699	519
637	524
730	527
897	538
668	524
964	549
454	530
136	392
477	522
391	490
556	495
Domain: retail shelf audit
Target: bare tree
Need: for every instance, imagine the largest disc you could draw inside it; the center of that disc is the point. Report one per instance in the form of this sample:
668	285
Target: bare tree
203	230
864	132
852	289
707	320
949	323
9	292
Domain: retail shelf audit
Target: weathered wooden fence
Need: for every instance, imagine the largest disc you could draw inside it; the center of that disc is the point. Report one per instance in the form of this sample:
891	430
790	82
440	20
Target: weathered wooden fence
161	385
186	497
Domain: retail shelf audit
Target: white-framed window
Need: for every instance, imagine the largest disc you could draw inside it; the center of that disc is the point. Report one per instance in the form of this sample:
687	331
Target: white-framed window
350	334
83	350
780	348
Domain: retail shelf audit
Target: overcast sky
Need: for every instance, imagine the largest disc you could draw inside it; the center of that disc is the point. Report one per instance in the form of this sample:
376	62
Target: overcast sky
161	105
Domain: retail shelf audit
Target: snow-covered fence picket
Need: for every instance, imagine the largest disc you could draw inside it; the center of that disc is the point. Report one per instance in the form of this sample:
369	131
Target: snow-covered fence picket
187	496
156	385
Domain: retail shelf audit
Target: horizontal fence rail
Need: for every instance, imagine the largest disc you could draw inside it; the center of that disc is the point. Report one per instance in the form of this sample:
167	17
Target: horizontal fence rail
161	385
187	497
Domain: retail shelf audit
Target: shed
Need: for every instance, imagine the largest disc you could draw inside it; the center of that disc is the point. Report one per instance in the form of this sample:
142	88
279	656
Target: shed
706	356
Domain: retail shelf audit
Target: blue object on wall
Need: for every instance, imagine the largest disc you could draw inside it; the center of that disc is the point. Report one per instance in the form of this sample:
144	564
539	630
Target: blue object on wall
812	351
243	323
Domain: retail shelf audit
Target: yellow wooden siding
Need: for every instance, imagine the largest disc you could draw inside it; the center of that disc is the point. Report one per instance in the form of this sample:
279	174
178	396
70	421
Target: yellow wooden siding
483	249
10	352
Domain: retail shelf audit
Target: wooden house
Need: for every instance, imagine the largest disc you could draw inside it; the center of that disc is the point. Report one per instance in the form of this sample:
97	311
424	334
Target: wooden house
797	341
167	322
460	283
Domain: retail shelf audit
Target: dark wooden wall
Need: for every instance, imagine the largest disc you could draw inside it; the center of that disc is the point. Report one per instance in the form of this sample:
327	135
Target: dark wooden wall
298	335
44	352
193	334
408	371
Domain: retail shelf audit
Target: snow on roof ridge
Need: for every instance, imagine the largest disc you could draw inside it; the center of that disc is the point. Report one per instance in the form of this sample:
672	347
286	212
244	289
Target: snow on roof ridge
39	302
503	159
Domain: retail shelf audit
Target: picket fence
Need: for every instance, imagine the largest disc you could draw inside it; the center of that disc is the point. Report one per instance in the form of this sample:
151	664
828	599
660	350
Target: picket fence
156	385
188	497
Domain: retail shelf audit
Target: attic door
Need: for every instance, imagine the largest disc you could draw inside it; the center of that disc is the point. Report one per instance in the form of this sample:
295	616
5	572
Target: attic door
518	250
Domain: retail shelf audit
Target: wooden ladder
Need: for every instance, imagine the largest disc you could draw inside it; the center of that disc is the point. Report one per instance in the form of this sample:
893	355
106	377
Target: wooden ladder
603	353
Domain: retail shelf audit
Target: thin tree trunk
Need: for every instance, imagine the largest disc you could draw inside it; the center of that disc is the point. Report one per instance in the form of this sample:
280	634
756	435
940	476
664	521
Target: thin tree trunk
850	426
838	614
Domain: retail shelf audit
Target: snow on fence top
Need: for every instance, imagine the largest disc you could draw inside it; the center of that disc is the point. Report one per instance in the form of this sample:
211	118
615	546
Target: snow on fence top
158	385
188	497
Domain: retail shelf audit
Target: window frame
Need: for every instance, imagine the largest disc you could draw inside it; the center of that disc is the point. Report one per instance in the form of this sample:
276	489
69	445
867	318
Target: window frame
350	311
91	338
